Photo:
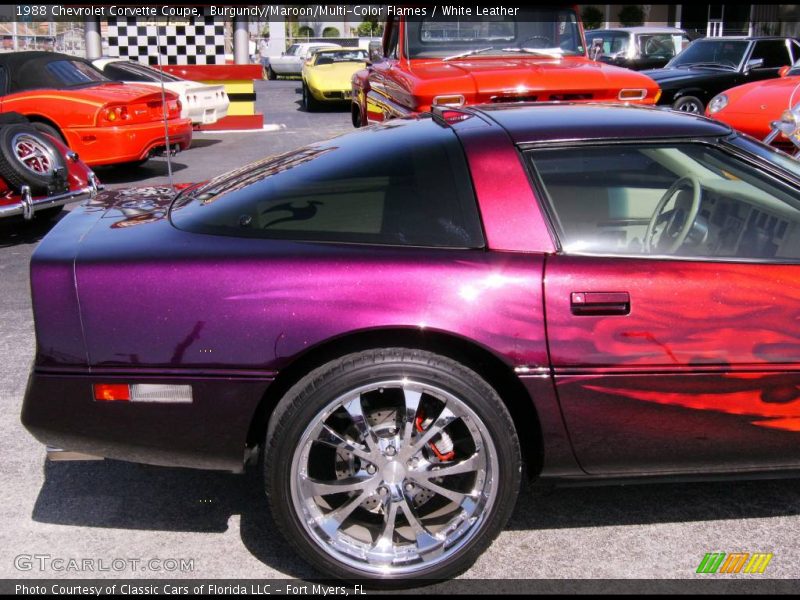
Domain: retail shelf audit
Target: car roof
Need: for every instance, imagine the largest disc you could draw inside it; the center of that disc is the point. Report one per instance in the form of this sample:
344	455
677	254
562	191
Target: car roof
640	29
26	70
754	38
553	121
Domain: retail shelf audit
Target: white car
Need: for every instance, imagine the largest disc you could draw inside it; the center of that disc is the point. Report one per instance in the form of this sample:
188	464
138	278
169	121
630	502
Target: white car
291	61
202	103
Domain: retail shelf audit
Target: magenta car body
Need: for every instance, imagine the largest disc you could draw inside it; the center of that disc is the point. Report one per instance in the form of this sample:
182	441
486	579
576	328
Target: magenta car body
602	292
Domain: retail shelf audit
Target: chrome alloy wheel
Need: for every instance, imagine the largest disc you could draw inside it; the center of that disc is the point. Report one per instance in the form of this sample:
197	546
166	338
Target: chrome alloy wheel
33	154
394	477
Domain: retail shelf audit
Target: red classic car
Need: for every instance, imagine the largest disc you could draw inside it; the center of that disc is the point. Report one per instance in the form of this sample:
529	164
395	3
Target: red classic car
38	175
753	107
526	54
104	121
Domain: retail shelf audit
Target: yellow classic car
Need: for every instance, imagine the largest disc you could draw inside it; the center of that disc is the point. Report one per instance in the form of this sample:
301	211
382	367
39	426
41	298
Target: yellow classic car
327	74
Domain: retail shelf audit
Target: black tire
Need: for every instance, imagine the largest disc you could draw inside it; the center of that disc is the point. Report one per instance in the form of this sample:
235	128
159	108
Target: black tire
29	158
689	104
478	415
355	114
271	75
310	104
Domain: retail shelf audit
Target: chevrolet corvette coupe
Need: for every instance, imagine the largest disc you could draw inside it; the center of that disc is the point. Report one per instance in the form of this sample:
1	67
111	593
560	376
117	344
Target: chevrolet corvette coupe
405	319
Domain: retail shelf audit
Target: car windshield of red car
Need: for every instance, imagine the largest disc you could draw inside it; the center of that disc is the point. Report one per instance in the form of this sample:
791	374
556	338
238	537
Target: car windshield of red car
552	29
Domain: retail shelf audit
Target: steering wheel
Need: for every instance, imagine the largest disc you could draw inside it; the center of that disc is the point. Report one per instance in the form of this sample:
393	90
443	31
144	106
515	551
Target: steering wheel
678	221
547	41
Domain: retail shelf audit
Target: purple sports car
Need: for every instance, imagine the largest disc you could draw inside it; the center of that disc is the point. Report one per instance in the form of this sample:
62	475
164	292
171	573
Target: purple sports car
406	319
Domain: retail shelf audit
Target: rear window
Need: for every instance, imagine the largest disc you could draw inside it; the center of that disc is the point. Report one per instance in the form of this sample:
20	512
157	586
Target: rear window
400	184
73	72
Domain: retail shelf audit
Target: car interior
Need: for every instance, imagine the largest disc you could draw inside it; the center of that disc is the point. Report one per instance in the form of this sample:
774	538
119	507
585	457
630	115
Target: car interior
687	200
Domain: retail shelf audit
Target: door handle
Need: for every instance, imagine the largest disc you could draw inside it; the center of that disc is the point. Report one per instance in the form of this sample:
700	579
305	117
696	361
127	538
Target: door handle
600	303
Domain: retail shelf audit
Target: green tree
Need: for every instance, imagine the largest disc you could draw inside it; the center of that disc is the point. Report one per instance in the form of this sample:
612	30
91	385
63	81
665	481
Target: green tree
331	32
370	27
631	15
592	17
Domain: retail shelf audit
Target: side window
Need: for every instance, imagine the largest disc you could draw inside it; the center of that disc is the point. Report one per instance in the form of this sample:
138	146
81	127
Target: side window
689	200
407	184
774	52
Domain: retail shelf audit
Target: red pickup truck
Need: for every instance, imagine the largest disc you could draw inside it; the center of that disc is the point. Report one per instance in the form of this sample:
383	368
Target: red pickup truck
523	54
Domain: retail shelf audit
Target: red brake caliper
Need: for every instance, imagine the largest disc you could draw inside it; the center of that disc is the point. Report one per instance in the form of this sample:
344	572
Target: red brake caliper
445	451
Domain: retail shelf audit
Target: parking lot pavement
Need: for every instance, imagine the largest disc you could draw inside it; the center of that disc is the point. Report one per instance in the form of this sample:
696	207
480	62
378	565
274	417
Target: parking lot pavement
113	510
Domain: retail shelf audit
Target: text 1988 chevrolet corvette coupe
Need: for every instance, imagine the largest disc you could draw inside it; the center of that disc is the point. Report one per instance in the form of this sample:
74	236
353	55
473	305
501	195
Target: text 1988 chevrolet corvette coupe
409	317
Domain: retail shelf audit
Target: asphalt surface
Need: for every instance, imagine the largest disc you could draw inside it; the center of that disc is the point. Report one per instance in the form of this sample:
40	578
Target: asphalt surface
115	510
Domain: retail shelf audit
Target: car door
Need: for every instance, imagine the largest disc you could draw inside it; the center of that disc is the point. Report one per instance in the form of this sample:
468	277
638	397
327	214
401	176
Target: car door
673	307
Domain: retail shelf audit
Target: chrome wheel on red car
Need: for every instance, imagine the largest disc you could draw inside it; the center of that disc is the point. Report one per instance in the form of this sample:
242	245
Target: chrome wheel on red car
30	158
400	473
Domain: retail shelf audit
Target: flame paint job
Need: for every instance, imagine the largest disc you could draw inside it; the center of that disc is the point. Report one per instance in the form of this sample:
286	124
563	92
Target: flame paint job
703	374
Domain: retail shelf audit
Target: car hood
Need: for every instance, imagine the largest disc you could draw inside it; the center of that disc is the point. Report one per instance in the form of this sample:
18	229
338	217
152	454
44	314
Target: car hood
681	76
493	76
336	76
769	97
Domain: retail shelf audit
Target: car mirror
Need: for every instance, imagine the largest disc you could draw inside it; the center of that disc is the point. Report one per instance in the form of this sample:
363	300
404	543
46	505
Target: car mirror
375	55
784	71
754	63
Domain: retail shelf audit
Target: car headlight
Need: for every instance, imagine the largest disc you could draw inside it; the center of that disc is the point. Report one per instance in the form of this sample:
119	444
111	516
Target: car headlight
789	122
717	103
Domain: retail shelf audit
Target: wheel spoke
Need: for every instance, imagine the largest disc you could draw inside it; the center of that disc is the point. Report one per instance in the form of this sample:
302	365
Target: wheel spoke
315	487
356	412
329	437
473	463
385	542
412	398
425	541
442	421
332	521
452	495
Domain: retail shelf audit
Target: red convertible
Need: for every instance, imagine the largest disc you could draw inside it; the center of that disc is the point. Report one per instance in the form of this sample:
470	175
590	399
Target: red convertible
753	107
528	54
105	122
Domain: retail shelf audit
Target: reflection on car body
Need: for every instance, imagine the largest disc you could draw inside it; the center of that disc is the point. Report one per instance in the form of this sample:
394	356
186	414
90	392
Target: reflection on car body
407	318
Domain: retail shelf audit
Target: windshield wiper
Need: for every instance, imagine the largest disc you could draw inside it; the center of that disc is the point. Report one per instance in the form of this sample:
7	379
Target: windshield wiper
551	52
468	53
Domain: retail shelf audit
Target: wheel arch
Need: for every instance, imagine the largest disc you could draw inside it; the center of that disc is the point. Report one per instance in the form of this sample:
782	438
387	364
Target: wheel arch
483	361
37	118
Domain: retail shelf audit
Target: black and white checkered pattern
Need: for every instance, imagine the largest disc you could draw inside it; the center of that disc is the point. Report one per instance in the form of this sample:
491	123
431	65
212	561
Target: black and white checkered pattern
197	42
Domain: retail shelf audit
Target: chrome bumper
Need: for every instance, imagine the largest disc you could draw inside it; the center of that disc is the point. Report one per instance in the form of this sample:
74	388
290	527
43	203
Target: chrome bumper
28	205
59	455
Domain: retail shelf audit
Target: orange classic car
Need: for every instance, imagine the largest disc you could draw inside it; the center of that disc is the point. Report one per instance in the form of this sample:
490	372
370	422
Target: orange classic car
753	108
105	122
468	56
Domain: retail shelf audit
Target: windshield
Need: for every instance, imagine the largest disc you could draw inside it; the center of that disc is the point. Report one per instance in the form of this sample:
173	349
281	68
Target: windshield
659	45
326	57
728	53
71	73
550	30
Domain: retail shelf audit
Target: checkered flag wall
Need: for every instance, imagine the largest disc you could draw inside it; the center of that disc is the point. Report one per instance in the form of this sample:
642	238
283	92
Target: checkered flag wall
196	42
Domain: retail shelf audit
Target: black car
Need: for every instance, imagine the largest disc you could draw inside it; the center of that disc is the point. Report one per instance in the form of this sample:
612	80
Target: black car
636	47
712	65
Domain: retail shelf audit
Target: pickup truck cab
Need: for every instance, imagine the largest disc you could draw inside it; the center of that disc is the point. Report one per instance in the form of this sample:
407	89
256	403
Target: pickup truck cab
521	54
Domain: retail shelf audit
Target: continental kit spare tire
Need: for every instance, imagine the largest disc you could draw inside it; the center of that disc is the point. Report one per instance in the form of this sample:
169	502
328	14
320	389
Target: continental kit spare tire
28	157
